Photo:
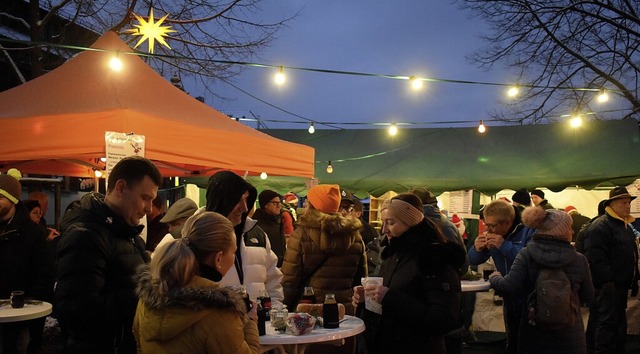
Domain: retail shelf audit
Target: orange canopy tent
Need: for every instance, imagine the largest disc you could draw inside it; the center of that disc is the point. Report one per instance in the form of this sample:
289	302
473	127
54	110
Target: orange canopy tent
56	124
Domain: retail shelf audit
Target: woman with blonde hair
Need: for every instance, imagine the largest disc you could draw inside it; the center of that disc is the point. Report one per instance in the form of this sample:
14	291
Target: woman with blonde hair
181	308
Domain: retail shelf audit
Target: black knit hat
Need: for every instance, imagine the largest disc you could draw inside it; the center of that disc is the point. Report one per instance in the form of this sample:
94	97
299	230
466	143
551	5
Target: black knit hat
265	197
522	196
538	192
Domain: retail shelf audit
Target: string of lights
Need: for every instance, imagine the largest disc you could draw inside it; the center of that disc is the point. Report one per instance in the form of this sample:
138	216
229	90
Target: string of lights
280	79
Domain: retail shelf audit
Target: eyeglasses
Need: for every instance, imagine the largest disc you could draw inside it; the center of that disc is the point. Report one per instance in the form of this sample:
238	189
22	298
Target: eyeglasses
274	203
492	226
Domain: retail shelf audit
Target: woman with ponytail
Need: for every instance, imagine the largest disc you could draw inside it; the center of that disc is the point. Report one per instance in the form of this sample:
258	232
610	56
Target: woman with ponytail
181	307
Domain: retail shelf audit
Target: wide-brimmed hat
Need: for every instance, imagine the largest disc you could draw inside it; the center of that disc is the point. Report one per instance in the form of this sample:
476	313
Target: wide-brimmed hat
618	193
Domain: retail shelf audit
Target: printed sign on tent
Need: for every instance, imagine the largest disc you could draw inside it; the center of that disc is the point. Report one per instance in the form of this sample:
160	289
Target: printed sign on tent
121	145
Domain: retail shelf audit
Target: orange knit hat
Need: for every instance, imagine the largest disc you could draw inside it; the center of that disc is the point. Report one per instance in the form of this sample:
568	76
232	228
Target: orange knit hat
325	197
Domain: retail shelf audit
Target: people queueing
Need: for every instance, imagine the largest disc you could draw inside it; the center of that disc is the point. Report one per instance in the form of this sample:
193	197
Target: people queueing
578	220
268	216
610	246
521	199
99	252
255	264
420	294
325	252
25	264
505	236
537	197
182	309
550	247
156	229
175	217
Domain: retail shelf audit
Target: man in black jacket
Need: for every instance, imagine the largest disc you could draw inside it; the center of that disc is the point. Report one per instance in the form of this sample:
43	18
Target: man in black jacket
611	250
98	255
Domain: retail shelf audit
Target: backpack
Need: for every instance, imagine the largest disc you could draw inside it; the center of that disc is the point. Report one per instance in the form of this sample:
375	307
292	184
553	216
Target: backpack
550	303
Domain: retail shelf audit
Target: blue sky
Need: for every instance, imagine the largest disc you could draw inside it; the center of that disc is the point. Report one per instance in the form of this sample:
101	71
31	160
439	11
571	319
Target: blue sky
422	38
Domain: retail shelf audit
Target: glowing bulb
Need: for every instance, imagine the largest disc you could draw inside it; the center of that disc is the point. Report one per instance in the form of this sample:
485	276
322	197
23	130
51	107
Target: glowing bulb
416	83
481	127
603	96
280	78
103	159
393	129
312	129
263	175
513	91
329	168
115	63
98	173
576	121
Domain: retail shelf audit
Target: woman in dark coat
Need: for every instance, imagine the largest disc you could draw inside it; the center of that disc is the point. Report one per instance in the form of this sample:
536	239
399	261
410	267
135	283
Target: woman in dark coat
420	295
549	248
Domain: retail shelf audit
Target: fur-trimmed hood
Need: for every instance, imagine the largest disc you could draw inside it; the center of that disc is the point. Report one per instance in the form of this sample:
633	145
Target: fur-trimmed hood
167	315
336	232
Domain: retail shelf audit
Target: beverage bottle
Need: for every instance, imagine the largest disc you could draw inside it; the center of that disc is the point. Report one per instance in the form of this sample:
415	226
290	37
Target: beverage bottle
330	316
242	291
262	319
265	300
308	296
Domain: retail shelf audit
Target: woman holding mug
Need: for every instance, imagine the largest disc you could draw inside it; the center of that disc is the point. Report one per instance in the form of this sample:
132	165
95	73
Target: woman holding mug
420	293
181	307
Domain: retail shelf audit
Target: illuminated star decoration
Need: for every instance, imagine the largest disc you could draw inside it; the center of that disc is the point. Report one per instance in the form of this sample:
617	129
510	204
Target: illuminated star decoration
153	31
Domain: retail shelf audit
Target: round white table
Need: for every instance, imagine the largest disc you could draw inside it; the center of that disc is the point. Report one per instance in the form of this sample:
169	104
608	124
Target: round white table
349	327
474	285
28	312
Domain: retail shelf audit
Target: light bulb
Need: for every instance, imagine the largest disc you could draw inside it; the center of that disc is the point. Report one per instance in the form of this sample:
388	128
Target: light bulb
603	96
329	168
312	129
115	63
280	78
576	121
97	173
263	175
481	127
416	83
393	129
513	91
103	159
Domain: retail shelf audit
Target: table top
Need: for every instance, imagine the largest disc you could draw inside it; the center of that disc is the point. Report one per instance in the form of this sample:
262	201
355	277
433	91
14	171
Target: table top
475	285
348	328
28	312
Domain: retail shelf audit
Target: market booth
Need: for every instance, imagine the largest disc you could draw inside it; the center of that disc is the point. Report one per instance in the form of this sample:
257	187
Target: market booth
56	123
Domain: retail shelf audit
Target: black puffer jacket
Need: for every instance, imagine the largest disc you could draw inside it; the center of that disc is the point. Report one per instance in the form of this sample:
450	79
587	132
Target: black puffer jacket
423	300
98	256
611	250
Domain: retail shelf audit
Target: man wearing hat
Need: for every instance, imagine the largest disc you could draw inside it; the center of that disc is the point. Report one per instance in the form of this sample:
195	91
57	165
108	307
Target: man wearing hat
270	221
537	197
578	220
175	217
612	253
25	262
521	199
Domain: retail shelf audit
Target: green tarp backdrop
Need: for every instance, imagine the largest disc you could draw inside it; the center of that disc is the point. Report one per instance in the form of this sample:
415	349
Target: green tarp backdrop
369	161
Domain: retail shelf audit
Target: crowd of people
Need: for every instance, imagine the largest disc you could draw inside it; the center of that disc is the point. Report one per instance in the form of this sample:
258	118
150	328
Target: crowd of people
182	290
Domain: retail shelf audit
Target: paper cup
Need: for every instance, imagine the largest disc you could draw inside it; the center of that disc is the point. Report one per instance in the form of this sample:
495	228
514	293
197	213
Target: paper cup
369	303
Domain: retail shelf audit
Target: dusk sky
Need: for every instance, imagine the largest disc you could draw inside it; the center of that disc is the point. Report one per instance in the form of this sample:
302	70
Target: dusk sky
421	38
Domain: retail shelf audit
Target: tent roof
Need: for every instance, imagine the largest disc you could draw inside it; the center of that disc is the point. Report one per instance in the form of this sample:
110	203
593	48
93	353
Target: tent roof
449	159
56	124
